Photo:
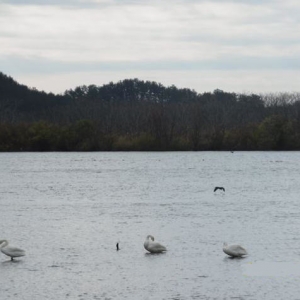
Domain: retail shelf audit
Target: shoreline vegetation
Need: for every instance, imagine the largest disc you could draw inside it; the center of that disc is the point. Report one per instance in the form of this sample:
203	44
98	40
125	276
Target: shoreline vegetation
135	115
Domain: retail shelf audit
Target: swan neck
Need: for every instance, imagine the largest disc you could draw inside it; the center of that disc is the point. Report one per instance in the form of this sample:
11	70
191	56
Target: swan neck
150	237
3	243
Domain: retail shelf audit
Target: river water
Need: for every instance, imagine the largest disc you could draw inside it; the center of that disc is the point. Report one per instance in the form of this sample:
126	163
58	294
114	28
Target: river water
68	211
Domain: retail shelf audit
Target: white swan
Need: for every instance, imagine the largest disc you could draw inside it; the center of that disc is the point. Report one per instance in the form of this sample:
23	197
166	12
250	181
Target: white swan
10	251
153	247
234	250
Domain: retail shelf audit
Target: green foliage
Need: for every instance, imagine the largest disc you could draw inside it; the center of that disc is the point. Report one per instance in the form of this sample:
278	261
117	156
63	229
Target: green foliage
142	142
274	133
42	137
240	138
181	143
270	133
135	115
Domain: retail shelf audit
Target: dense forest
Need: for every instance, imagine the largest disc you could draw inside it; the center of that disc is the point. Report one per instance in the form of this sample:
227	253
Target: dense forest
135	115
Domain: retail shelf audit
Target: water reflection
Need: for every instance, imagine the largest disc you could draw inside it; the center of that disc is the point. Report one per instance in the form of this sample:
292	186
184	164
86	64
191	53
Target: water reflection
86	202
228	258
9	262
272	269
155	254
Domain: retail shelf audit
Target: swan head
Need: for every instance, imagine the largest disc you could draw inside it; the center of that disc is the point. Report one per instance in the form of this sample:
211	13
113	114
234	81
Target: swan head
150	237
3	241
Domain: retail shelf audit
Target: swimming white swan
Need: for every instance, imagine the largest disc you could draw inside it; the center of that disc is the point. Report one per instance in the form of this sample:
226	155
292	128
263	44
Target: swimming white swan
234	250
153	247
10	251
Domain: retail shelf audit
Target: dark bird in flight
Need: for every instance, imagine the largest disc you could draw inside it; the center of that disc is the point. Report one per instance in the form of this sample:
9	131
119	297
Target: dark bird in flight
117	245
219	188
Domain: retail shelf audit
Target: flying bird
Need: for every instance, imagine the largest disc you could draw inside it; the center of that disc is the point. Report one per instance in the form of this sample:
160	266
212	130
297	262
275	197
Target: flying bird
219	188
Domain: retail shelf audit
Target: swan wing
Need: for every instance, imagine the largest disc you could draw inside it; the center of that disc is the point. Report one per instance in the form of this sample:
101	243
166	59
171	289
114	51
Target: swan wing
155	247
146	244
13	251
235	250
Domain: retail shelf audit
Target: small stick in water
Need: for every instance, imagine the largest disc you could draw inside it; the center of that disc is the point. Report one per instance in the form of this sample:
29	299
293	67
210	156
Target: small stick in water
117	245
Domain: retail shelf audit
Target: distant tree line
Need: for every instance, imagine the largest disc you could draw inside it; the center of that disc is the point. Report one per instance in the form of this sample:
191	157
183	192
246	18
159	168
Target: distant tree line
145	116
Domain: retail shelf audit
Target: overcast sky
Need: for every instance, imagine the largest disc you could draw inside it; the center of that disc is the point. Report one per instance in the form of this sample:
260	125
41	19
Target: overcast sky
246	46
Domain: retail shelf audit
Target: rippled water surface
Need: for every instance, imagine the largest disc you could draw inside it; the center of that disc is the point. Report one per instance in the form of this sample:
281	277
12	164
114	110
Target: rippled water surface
68	211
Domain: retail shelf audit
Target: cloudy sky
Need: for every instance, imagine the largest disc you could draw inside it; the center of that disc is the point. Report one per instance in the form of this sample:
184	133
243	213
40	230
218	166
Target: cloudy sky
247	46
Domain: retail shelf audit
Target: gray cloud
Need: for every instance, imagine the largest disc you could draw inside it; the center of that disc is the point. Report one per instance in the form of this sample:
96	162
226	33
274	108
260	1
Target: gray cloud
43	66
74	3
112	36
39	2
81	4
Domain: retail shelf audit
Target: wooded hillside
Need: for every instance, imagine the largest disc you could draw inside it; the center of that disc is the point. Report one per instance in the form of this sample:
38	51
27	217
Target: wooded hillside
142	115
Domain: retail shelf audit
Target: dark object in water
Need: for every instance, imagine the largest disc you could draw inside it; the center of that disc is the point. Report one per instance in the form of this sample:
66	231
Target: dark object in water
219	188
117	245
